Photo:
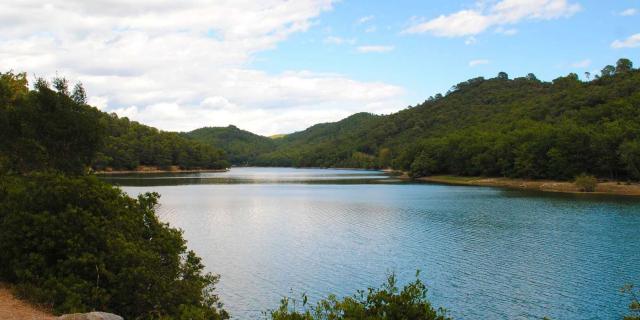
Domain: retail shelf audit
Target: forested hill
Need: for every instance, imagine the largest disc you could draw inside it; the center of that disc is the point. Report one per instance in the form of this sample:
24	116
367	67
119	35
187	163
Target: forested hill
129	144
520	127
41	130
242	147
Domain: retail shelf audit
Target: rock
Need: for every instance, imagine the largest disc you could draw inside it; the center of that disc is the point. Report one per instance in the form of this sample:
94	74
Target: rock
91	316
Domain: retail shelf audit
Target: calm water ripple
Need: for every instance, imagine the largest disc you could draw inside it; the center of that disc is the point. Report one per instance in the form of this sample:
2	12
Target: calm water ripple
485	253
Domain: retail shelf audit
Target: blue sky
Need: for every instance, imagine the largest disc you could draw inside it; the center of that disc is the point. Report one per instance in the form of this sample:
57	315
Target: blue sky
425	64
278	66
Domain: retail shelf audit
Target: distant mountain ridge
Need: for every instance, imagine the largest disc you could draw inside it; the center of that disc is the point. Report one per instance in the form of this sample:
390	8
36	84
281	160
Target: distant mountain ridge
520	127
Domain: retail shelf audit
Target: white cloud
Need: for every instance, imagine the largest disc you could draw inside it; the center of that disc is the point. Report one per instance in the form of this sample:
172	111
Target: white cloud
462	23
477	20
378	49
99	102
318	98
475	63
630	42
339	40
371	29
365	19
184	64
629	12
581	64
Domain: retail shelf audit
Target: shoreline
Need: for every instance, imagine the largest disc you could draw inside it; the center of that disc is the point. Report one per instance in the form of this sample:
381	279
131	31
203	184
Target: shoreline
603	188
156	170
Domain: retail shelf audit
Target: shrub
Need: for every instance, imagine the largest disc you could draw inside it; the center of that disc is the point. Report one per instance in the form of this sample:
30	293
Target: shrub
387	302
79	244
586	183
634	306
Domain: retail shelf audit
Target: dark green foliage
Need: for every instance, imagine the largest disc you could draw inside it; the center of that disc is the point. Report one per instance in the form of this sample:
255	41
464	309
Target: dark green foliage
44	129
47	129
521	128
241	146
129	144
328	145
79	244
386	302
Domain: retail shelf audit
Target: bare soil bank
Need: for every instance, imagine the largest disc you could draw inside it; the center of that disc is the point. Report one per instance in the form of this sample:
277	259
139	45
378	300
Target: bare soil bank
149	169
607	187
11	308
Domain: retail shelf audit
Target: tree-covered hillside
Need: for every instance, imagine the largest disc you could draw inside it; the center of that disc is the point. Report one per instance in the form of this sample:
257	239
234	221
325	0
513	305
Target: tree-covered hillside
520	127
242	147
129	144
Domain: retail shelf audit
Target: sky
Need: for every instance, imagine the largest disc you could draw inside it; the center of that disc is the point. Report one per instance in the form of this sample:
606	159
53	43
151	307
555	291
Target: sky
274	66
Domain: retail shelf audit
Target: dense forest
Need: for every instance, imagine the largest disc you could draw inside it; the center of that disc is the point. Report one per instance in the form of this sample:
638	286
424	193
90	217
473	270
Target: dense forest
128	144
242	147
520	127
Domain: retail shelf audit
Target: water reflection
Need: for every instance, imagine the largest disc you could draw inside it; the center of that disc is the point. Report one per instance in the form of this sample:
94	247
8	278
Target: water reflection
486	253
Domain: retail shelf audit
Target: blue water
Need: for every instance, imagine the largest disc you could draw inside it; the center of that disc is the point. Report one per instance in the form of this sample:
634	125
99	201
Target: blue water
485	253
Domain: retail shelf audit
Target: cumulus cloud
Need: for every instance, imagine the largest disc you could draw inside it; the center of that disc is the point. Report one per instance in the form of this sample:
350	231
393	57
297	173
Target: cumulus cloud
474	21
478	62
630	42
184	64
377	49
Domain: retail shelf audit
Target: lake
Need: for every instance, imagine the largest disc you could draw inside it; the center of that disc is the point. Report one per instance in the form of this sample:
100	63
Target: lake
485	253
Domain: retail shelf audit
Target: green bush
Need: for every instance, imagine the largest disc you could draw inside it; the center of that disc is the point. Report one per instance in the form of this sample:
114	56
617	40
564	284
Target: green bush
386	302
78	244
586	183
634	306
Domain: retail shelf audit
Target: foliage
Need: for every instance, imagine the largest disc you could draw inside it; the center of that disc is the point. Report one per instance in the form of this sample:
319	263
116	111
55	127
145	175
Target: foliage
634	306
43	129
586	183
386	302
54	129
129	144
79	244
241	146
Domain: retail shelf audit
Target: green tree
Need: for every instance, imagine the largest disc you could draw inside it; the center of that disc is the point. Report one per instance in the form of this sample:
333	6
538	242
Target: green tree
624	65
630	156
608	71
79	96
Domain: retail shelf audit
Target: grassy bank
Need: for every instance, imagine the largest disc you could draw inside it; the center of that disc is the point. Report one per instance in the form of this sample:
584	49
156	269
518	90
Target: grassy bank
603	187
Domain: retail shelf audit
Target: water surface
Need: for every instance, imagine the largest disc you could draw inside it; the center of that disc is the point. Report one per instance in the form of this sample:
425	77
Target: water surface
485	253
